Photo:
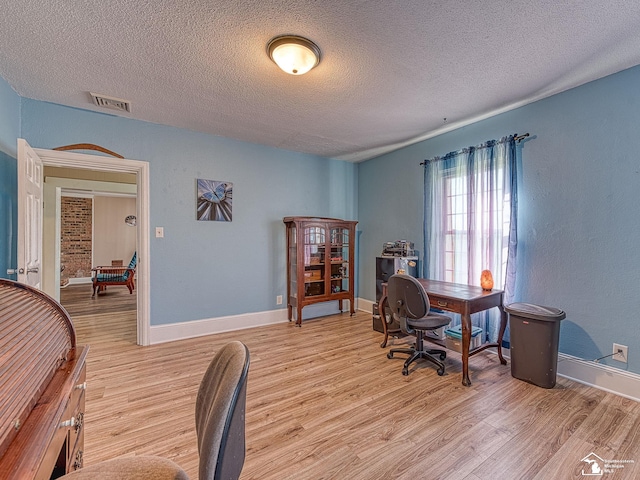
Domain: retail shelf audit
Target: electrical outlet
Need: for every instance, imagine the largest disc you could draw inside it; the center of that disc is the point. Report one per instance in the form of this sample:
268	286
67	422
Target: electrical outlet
279	300
620	352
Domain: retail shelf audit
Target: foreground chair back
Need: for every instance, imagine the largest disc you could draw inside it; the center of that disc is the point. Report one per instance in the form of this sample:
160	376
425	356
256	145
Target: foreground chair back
220	414
409	304
220	427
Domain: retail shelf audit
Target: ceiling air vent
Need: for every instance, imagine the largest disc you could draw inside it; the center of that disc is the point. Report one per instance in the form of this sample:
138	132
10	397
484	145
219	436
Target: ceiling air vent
111	102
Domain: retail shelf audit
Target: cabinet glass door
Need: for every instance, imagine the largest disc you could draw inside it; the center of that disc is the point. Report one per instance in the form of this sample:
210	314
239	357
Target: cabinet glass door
314	260
293	262
339	260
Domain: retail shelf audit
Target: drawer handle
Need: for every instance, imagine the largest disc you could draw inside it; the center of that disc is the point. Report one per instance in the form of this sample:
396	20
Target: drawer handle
442	303
68	423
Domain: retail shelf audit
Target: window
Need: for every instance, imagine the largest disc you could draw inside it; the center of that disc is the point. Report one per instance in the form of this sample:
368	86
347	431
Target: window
470	218
486	212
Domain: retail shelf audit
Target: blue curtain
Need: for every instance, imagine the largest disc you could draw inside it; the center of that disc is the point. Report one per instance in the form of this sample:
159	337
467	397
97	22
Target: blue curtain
470	207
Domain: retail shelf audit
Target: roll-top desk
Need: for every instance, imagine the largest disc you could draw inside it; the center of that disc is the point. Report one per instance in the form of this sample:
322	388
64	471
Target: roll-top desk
42	386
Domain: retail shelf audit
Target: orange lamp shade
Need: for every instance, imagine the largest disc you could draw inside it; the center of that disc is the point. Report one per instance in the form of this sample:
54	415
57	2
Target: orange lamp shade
486	280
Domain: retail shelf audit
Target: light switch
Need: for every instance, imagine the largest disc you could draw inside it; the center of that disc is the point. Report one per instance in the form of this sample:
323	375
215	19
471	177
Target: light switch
159	232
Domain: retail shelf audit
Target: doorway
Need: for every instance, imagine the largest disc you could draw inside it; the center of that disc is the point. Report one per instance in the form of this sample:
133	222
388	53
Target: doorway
96	229
66	159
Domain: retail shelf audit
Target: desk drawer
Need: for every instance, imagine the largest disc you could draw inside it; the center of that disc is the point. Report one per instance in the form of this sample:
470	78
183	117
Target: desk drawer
75	410
447	304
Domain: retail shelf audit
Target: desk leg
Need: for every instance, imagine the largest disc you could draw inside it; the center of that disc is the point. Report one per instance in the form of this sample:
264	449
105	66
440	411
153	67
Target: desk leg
503	327
466	341
382	304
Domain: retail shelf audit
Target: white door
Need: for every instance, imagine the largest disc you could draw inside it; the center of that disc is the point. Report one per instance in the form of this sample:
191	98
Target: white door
29	215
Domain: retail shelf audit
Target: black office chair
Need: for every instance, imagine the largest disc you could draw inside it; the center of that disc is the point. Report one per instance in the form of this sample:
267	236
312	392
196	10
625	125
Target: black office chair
220	425
409	304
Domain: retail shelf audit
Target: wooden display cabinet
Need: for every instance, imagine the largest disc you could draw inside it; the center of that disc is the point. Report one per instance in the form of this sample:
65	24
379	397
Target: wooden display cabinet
320	262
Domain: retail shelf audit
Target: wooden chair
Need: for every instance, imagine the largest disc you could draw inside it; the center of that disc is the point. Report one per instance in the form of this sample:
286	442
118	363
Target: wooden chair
101	277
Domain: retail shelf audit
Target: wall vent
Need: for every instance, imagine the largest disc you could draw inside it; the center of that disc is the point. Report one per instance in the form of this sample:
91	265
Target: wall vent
111	102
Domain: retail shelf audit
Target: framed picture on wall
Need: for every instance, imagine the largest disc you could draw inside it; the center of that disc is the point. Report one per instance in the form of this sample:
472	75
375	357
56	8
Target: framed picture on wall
214	200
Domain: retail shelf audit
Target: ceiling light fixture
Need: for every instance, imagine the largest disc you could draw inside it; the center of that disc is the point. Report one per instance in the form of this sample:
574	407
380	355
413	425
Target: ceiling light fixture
293	54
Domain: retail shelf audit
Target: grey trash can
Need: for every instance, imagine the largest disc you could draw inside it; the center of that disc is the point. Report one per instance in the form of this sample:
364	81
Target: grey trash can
535	334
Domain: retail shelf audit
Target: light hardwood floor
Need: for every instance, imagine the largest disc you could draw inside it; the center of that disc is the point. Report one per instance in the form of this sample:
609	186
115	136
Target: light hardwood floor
324	402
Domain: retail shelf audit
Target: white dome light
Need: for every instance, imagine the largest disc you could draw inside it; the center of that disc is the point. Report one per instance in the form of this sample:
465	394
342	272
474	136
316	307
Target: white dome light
294	55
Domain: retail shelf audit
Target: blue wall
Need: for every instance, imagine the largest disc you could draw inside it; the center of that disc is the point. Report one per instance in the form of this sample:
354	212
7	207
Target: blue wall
579	216
206	269
579	190
9	132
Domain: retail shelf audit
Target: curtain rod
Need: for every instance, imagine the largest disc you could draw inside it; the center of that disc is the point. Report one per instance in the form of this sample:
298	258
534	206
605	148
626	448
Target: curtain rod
516	137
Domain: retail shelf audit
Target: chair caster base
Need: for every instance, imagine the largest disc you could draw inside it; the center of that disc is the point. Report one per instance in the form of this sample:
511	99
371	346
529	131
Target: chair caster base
415	354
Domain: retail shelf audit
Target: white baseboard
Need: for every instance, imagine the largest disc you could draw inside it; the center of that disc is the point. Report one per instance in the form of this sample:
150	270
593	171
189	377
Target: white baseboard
365	305
78	281
604	377
209	326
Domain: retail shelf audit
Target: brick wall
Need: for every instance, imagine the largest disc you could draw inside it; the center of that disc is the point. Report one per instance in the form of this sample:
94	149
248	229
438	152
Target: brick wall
75	241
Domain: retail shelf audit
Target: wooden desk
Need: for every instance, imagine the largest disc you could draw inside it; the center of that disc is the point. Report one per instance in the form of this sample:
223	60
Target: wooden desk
42	392
462	299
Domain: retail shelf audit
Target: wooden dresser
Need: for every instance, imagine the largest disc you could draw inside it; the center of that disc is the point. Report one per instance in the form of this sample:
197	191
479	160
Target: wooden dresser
42	386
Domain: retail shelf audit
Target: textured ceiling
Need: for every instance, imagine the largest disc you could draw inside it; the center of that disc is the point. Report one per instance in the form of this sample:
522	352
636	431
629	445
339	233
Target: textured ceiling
391	70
